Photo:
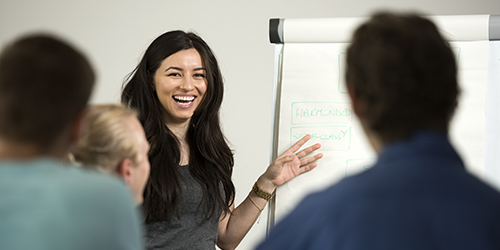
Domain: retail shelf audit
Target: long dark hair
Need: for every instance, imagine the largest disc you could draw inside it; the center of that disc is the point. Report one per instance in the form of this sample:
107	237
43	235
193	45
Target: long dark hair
211	160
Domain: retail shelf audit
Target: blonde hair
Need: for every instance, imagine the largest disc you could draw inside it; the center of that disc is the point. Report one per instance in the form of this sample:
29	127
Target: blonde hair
106	139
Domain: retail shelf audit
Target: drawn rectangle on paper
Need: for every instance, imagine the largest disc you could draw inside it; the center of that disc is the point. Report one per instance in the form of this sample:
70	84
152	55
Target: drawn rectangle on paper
321	112
330	137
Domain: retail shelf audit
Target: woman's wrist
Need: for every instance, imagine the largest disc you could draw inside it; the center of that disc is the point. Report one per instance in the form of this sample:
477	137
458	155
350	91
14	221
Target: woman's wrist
265	185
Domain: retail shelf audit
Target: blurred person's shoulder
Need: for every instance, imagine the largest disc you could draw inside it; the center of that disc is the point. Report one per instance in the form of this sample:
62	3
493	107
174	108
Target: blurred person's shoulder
56	176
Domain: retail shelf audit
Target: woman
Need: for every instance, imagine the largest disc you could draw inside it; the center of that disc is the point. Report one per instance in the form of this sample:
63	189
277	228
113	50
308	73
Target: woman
188	201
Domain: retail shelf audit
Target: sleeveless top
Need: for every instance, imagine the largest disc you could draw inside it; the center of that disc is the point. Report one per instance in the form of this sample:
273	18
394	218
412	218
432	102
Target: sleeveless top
190	229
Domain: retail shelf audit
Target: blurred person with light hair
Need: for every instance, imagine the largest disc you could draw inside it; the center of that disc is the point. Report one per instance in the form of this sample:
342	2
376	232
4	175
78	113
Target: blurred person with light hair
114	142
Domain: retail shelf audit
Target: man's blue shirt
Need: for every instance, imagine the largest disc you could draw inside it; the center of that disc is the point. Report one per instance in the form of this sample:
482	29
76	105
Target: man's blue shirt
418	195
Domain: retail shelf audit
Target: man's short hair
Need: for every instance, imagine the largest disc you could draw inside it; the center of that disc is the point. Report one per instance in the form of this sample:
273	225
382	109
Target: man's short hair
405	73
44	83
106	139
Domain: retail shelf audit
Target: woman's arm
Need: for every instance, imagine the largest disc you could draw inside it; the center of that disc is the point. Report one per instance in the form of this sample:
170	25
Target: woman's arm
234	226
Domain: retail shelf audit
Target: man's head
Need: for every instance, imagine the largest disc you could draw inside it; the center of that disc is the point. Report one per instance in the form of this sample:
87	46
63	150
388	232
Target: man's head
44	86
114	141
401	76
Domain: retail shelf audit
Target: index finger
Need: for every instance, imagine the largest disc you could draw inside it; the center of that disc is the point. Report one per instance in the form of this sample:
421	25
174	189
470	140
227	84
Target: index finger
298	144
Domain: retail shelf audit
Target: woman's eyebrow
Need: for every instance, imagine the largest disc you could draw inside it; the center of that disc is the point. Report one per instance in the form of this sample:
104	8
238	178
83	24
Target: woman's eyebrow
173	67
180	69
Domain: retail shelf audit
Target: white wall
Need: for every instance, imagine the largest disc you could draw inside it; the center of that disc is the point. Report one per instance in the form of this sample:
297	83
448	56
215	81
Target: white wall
114	34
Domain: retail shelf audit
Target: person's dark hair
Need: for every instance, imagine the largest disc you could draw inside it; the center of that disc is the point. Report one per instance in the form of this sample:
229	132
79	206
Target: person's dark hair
405	73
44	84
211	160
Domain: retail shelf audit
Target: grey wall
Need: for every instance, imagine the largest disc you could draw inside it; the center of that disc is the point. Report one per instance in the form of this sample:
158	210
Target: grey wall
114	34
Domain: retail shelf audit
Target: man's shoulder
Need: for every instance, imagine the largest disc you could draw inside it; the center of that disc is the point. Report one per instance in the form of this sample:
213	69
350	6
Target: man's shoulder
91	209
307	224
49	174
328	200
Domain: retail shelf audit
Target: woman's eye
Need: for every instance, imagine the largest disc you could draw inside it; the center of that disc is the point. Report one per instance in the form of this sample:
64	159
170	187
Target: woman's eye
174	74
199	75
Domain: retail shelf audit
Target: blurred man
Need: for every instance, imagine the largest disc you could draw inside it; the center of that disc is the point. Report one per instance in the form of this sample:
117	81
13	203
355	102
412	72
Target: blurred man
44	87
402	80
114	142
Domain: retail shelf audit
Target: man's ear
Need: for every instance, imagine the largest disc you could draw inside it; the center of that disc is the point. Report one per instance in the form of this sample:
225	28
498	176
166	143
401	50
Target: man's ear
354	100
77	126
124	170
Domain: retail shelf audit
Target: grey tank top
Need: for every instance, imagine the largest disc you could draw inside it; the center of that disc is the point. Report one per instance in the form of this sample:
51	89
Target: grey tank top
190	230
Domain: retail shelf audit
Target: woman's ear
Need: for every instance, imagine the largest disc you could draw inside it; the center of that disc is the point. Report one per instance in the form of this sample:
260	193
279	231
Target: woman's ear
153	86
151	81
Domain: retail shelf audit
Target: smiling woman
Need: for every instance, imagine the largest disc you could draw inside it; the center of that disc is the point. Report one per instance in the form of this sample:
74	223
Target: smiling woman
189	198
180	84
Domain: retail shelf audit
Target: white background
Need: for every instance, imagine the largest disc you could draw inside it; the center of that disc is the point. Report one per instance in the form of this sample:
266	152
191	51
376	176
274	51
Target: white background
115	33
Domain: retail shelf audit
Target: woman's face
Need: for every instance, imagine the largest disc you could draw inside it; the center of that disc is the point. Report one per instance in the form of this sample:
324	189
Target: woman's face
180	84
